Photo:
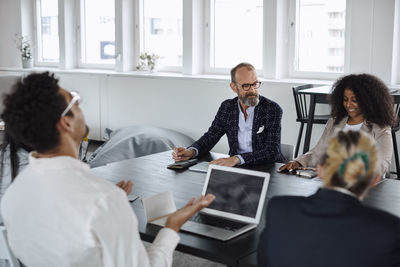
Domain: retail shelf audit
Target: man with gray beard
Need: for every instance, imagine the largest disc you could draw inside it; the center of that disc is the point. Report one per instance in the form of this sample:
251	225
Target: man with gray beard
251	122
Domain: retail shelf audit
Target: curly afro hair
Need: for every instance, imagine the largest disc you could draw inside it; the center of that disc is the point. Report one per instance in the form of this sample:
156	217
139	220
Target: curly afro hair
373	98
32	110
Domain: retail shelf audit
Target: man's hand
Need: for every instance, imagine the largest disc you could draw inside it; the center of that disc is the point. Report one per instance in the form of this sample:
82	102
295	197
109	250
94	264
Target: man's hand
181	153
230	162
179	217
290	166
126	186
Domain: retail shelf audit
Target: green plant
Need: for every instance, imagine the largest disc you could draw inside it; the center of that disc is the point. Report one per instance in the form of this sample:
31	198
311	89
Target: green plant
147	61
24	46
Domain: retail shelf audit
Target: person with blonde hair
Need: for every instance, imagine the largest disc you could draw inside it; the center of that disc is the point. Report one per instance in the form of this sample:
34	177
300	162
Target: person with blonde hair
332	227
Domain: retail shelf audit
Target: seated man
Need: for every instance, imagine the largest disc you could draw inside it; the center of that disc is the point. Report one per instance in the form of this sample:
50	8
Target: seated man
251	122
57	213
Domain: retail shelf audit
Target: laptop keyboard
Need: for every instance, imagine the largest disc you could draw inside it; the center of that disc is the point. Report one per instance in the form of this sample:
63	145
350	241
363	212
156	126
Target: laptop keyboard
218	222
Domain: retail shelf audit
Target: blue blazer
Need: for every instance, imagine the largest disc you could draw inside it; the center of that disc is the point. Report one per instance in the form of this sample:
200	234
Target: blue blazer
328	229
266	144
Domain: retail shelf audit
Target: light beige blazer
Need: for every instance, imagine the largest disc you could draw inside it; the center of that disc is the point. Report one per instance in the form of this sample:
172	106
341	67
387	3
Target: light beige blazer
381	135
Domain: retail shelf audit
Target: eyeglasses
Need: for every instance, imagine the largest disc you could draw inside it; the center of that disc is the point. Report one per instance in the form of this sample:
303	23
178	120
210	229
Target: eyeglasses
247	86
75	98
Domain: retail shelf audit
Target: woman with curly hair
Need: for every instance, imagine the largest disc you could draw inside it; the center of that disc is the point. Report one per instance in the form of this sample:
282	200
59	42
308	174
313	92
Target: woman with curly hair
359	102
333	227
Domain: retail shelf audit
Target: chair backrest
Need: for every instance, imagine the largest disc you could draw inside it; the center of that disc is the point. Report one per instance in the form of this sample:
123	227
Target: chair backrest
5	251
396	127
300	101
287	151
396	100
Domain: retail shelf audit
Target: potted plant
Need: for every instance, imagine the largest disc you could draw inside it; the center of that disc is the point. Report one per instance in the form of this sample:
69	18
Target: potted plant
24	46
148	62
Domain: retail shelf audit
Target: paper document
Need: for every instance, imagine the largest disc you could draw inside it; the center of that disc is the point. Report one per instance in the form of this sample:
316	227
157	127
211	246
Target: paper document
159	206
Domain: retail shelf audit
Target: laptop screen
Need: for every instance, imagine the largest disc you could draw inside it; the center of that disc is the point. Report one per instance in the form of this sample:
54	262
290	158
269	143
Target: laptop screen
236	193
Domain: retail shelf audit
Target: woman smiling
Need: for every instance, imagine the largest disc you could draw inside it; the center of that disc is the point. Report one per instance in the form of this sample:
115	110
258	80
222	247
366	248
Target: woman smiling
359	102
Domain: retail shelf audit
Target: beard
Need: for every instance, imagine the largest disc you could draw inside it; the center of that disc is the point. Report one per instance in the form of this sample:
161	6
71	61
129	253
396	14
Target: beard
248	100
86	132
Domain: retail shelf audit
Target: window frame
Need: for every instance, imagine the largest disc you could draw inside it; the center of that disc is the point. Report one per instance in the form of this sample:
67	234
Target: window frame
80	36
37	39
209	41
292	47
140	14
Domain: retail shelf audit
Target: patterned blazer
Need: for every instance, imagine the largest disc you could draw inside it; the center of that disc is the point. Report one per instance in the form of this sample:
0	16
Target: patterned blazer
266	133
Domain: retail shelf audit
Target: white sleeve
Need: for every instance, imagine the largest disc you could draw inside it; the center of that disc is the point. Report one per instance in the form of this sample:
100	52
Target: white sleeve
115	228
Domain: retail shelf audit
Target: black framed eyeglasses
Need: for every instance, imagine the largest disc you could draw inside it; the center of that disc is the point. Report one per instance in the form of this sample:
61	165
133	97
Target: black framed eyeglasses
247	86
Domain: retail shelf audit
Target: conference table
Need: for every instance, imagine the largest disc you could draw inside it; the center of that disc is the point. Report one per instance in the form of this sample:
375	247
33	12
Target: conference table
150	177
319	95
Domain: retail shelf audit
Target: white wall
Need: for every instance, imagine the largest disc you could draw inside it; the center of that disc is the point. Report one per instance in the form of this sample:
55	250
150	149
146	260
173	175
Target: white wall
184	104
10	24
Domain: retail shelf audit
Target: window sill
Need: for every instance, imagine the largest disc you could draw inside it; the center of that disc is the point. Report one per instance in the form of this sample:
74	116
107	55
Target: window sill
167	75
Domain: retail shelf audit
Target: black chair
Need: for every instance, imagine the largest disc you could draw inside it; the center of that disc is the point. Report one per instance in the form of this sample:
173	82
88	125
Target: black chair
395	129
300	101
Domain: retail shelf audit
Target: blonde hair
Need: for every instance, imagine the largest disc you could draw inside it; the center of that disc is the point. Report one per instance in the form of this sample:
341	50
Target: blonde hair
350	161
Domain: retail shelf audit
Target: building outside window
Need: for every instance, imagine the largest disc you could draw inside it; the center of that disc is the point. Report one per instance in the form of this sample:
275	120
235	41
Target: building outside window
97	32
162	31
47	31
320	36
236	33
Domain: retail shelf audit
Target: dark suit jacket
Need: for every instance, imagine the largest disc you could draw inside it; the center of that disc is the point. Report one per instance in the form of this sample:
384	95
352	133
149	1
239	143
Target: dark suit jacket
327	229
266	144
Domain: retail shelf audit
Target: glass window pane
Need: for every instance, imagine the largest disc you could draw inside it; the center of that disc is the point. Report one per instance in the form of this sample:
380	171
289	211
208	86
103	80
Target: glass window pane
321	35
162	32
237	33
48	37
98	33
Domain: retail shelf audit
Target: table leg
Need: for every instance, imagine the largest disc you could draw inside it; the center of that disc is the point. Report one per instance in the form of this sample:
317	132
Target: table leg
311	111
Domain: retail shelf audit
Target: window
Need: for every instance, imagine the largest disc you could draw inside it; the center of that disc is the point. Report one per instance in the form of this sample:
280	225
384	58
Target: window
47	31
98	32
320	36
236	33
162	30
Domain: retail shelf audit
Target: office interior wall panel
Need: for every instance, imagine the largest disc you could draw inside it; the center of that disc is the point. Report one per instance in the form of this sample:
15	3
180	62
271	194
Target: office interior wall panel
10	24
382	41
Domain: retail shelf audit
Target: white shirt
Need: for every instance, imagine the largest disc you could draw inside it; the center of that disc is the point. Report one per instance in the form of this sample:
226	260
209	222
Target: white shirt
355	127
245	132
57	213
6	175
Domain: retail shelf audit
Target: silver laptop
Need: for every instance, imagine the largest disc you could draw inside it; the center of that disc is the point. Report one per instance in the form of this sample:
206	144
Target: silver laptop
200	167
238	205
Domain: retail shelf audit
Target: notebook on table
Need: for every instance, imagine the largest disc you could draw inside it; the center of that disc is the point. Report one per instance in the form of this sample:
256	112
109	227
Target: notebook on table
237	208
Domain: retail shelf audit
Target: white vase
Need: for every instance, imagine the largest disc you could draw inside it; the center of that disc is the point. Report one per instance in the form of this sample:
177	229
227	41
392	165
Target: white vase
27	63
155	68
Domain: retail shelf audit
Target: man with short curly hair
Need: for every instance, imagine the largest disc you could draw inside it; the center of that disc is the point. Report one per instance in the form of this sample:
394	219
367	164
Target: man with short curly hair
57	213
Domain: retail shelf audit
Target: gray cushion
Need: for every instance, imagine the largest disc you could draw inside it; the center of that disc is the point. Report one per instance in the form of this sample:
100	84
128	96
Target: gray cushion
137	141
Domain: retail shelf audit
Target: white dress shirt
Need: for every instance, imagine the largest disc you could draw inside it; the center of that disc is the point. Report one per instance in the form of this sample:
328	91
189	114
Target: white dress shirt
57	213
244	132
355	127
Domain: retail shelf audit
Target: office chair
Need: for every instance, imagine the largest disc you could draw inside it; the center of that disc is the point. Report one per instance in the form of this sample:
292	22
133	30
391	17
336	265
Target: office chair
395	129
5	251
300	101
287	151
